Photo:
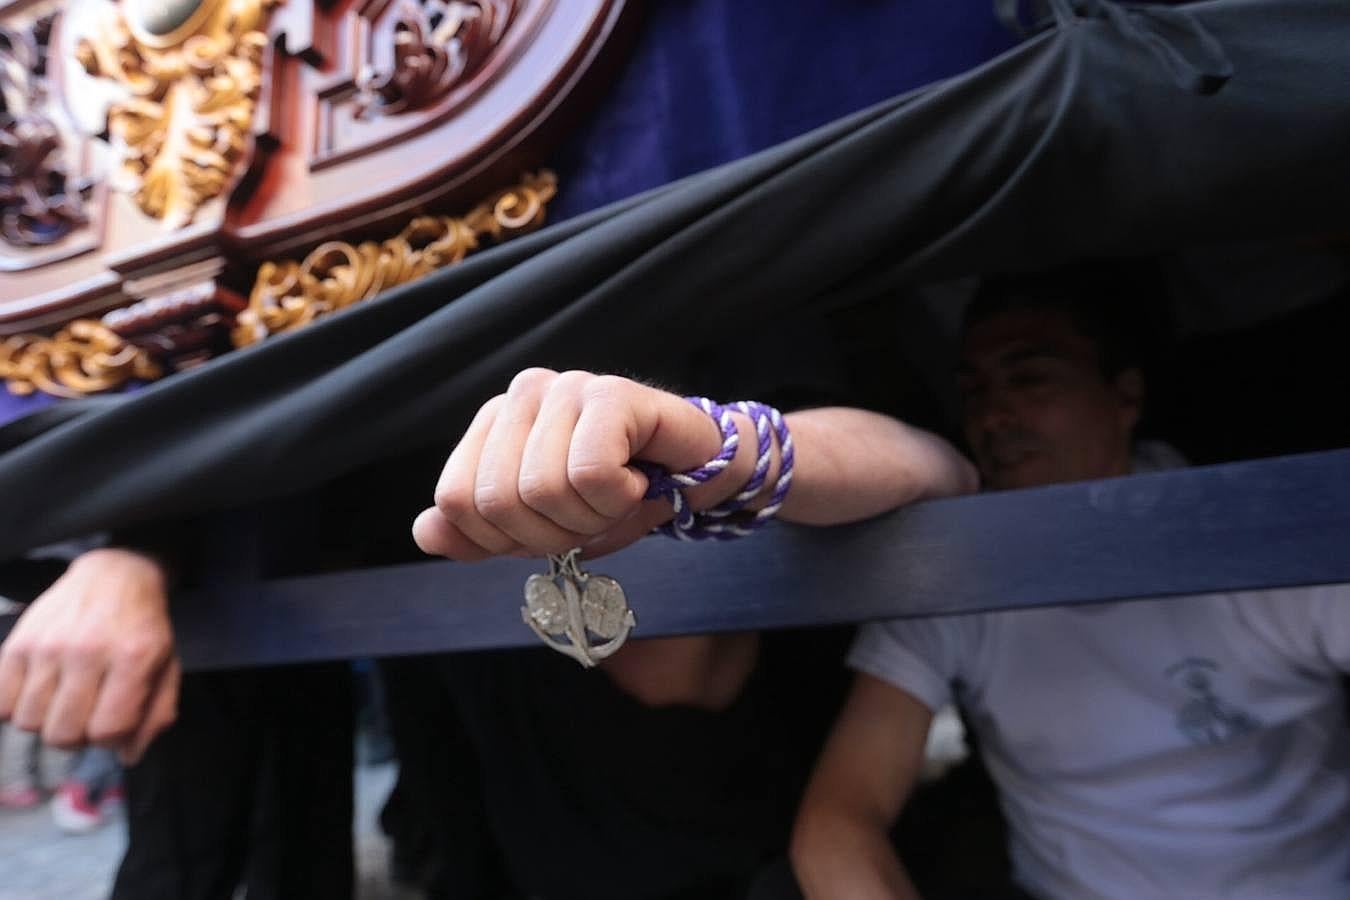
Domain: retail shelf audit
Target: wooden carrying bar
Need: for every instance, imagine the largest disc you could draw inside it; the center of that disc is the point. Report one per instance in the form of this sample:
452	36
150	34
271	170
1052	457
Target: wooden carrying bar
1239	526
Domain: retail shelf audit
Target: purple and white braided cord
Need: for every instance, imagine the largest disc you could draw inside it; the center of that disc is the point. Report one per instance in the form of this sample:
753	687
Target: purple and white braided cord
715	523
787	457
718	522
673	484
763	456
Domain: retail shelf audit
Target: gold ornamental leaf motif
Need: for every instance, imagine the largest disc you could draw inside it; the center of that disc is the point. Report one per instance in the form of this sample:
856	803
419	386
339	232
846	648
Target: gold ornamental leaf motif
88	357
288	295
83	358
193	72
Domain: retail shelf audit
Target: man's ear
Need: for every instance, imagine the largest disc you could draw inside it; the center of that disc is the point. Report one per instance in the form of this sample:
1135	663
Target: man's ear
1129	386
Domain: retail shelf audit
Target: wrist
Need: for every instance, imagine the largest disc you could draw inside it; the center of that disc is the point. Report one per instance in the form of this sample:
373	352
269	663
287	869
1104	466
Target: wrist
748	497
106	560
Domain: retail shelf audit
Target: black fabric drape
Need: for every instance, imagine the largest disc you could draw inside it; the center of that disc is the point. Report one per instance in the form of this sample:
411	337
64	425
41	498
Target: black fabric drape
1118	132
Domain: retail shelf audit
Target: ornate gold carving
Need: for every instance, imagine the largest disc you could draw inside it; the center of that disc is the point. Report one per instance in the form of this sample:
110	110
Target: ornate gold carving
288	295
39	203
186	125
85	357
437	44
144	341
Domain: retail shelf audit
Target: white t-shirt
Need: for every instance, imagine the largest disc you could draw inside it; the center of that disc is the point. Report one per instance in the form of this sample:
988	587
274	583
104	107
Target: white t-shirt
1193	748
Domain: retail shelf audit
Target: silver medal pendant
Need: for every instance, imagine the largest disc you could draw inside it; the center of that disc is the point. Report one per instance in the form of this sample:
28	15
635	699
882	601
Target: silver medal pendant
582	615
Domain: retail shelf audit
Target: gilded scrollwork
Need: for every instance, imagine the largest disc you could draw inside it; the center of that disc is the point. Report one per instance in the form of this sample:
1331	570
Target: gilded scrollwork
146	341
437	45
40	204
184	127
290	294
153	338
85	357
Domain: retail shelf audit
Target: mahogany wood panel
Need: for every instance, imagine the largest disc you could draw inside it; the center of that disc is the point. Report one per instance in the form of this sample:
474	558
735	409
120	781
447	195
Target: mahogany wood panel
157	138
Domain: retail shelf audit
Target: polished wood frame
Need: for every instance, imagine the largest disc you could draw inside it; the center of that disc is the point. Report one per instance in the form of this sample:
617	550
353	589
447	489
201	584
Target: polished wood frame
296	186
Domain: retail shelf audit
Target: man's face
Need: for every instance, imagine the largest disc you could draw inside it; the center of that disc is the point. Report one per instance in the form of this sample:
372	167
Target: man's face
1036	406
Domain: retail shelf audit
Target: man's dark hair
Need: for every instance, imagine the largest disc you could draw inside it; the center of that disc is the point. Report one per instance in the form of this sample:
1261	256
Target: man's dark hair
1118	306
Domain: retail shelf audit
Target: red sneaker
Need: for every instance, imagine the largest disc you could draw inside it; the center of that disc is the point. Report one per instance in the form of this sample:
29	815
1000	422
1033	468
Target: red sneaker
73	811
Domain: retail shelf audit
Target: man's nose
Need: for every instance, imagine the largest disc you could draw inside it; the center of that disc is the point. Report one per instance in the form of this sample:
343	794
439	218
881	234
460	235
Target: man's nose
994	412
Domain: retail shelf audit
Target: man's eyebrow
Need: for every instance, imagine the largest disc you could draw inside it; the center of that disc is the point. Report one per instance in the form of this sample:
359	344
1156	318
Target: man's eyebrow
1031	353
1013	357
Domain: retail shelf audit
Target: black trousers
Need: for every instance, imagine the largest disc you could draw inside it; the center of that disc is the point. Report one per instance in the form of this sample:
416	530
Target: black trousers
252	785
435	817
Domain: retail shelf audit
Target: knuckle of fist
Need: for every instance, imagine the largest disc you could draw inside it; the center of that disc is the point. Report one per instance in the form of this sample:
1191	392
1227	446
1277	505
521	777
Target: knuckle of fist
591	478
540	493
607	386
47	652
16	649
454	501
82	650
140	654
492	503
529	381
571	382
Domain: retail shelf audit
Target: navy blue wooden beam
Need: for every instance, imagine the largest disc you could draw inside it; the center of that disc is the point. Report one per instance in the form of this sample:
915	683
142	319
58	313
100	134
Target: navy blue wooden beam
1261	524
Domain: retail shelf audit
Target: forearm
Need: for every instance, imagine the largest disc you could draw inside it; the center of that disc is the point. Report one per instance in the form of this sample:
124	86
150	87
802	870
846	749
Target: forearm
853	464
837	856
850	464
105	559
841	847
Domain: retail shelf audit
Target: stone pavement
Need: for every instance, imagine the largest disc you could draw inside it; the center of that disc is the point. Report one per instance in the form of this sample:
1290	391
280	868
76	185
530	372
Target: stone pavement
37	862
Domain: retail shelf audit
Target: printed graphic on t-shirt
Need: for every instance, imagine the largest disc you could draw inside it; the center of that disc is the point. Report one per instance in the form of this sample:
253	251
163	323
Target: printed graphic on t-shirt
1204	717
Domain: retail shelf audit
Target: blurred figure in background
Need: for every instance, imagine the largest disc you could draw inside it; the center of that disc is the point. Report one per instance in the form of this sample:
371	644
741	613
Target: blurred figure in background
91	794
